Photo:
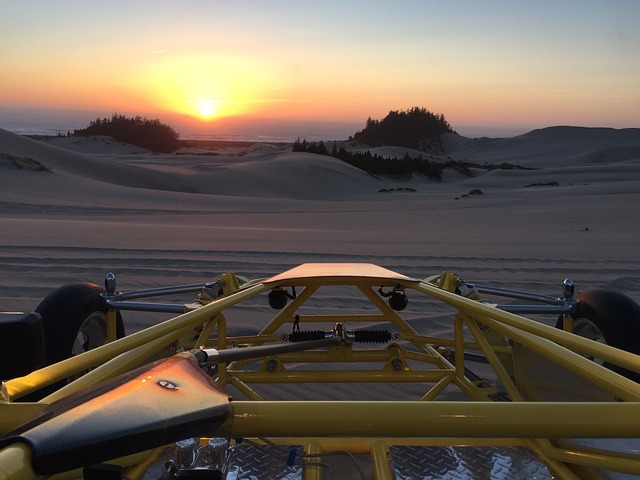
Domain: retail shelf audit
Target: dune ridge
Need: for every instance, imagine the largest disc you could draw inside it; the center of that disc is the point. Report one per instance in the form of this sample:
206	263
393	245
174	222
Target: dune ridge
165	219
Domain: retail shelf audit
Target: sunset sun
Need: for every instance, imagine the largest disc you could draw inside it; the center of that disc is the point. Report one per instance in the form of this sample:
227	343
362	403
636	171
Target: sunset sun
206	108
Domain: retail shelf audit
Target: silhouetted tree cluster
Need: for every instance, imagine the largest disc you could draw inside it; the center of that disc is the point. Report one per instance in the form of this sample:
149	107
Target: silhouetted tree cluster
402	167
416	128
151	134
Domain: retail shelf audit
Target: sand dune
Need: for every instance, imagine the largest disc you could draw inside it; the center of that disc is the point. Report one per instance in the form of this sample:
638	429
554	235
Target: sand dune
163	219
552	146
155	220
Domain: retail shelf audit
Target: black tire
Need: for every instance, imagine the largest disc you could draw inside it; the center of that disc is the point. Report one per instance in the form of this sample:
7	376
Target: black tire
609	317
74	320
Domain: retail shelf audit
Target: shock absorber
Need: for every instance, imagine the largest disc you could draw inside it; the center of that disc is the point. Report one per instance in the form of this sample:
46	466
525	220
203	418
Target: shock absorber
360	336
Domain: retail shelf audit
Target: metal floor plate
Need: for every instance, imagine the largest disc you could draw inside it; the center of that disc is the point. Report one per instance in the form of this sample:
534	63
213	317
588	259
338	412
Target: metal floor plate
252	462
453	463
249	461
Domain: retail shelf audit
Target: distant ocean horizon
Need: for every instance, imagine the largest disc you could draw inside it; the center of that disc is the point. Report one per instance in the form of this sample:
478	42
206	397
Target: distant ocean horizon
53	122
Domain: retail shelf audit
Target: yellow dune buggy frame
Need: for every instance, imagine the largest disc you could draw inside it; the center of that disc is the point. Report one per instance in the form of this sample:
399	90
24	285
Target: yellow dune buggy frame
577	416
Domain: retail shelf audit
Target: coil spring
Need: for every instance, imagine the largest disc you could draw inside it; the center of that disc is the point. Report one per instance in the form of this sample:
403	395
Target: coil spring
360	336
372	336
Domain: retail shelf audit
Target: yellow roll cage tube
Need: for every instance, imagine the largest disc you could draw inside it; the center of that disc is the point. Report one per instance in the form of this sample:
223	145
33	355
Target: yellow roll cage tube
550	428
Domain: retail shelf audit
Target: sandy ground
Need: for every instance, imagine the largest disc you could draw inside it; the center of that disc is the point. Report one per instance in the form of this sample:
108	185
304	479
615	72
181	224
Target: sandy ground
154	220
164	219
99	206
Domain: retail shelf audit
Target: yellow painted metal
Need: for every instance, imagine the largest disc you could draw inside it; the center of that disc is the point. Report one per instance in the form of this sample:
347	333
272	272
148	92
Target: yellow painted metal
121	364
348	354
498	367
428	419
14	414
337	274
622	387
312	467
340	376
567	323
471	390
244	389
230	283
242	340
369	427
448	342
112	333
363	445
576	343
381	458
602	459
437	389
172	329
560	470
459	344
219	323
286	314
391	315
15	463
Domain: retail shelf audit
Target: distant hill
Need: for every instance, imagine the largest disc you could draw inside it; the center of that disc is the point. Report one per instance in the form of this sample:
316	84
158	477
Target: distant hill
417	128
558	146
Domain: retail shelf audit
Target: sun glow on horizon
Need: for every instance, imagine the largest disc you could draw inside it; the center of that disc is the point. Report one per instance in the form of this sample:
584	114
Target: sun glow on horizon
204	87
207	109
211	63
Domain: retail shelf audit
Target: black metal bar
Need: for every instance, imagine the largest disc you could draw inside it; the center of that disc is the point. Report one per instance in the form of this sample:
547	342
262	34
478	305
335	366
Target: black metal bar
235	354
534	297
146	307
533	309
153	292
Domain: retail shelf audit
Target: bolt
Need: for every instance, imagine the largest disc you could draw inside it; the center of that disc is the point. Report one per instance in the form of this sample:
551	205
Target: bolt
272	365
396	363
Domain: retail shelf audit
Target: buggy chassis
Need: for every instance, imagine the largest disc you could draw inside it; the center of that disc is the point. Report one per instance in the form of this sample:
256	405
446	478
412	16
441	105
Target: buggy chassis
547	408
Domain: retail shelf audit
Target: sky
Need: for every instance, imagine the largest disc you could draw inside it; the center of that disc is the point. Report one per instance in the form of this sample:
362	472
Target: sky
484	64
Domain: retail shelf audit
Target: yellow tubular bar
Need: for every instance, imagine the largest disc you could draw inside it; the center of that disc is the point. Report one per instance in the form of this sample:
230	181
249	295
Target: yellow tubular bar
173	328
579	344
244	388
243	340
219	322
622	387
418	419
381	458
437	389
15	463
14	414
114	367
340	376
493	360
599	460
112	331
560	470
364	445
391	315
311	471
285	315
448	342
459	343
345	354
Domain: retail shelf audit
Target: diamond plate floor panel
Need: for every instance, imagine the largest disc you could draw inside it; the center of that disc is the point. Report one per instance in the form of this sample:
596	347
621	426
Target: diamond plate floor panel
473	463
251	462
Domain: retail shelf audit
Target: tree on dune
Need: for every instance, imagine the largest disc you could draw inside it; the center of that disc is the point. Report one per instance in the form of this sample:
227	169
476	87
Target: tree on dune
416	128
151	134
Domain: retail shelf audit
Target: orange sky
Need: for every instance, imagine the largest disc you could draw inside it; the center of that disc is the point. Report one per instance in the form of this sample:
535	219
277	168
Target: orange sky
482	63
